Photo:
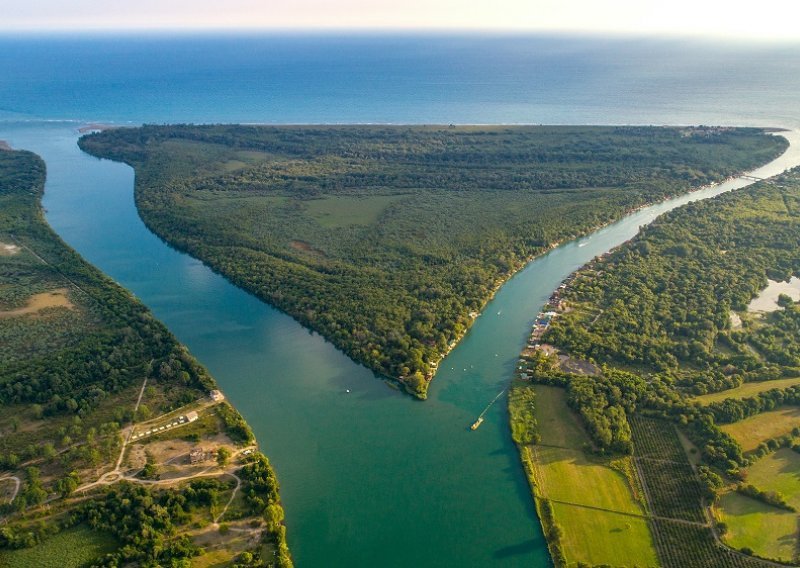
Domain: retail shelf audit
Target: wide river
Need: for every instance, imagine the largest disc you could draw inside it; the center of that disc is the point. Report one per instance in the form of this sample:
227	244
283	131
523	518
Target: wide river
369	478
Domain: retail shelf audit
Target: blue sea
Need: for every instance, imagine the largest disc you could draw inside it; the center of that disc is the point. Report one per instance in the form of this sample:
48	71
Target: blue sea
301	78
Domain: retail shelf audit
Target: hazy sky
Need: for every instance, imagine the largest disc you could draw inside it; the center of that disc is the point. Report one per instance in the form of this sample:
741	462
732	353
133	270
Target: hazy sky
732	18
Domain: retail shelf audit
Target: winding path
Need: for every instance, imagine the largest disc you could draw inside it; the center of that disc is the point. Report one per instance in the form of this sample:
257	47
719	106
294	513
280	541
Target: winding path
17	484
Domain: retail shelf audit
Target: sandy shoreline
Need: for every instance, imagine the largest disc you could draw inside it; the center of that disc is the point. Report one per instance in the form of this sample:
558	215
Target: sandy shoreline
95	127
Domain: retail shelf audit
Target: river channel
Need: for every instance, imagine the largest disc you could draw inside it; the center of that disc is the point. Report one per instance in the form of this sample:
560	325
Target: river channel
369	477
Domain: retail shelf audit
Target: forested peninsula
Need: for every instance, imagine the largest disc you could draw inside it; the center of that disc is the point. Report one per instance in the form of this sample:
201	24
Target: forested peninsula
658	415
389	240
116	446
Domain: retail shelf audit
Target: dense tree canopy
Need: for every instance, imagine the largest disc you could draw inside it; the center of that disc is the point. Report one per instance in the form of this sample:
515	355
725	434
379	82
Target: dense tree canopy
664	301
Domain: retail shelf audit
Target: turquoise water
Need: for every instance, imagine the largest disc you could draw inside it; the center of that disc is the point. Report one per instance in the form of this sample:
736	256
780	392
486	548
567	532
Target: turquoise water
369	478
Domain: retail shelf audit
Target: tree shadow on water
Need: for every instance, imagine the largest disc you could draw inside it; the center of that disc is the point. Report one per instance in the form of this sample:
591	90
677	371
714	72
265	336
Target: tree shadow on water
523	548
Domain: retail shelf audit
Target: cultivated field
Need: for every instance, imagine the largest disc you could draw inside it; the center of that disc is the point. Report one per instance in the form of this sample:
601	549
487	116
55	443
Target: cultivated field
668	477
570	476
748	390
750	432
683	545
600	537
73	548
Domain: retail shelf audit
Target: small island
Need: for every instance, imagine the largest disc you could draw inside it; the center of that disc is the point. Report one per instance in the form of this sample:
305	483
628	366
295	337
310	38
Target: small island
389	240
657	413
116	445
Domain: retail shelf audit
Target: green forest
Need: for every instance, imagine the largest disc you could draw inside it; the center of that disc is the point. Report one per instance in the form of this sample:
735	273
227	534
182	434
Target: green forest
663	303
75	350
667	320
388	240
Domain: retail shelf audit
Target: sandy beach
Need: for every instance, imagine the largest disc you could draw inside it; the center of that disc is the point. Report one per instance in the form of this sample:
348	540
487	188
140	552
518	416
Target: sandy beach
94	127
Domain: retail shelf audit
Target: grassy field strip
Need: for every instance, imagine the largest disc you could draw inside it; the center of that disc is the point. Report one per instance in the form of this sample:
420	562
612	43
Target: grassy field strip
567	474
747	390
750	432
603	537
600	519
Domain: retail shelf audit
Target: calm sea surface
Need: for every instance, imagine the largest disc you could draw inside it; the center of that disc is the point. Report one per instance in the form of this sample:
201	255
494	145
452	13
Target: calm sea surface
479	79
370	478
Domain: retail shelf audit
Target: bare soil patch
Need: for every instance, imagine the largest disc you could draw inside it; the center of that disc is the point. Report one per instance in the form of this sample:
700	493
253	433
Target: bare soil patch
38	302
578	366
220	547
303	246
5	248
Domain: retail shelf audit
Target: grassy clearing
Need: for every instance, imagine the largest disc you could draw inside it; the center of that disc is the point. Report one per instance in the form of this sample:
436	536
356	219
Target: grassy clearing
558	424
219	548
568	475
747	390
213	559
779	471
73	548
768	531
597	537
750	432
343	211
207	425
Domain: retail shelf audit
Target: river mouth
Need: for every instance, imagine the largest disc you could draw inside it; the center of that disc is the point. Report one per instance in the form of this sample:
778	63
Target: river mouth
370	476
